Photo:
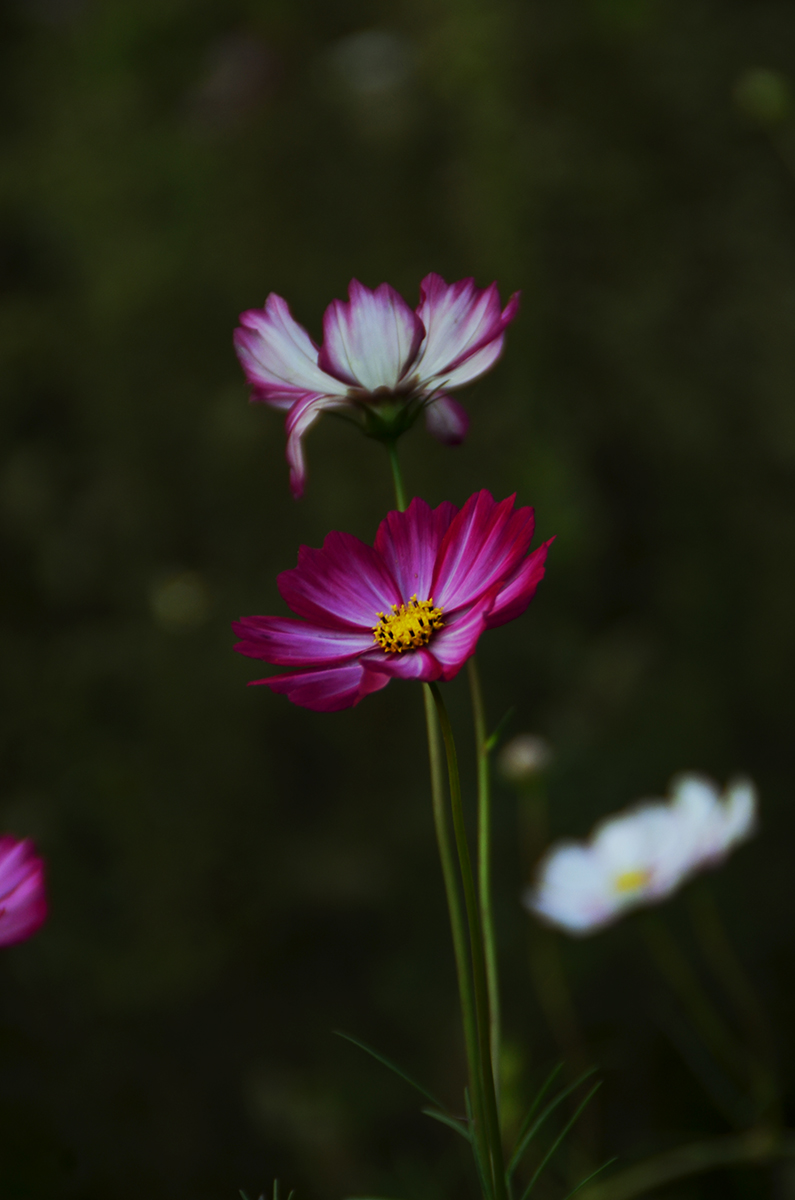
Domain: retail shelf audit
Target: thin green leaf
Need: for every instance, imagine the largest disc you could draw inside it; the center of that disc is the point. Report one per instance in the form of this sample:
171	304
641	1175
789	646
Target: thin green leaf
559	1139
588	1178
499	729
534	1128
243	1195
275	1189
542	1091
450	1121
387	1062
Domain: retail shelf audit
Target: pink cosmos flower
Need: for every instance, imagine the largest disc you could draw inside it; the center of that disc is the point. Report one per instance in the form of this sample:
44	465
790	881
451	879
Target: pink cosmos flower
411	606
23	903
380	363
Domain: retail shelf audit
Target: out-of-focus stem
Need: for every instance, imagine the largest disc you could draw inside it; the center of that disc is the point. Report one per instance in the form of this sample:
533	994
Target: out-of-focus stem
729	972
546	966
457	923
676	970
755	1148
486	1080
549	977
554	998
484	867
397	477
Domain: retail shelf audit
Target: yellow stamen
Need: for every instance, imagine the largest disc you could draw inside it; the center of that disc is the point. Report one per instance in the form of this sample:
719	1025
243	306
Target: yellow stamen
407	627
630	881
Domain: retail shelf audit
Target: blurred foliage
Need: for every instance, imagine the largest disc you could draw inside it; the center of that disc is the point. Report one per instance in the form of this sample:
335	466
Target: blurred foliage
232	877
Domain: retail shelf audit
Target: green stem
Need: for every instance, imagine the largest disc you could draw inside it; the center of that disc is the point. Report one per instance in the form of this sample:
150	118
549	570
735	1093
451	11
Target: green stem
397	477
674	967
755	1148
484	867
554	997
486	1080
457	924
728	970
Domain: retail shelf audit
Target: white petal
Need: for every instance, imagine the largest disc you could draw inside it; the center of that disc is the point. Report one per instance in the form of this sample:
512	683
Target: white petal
573	890
642	839
372	340
464	329
278	356
702	818
740	812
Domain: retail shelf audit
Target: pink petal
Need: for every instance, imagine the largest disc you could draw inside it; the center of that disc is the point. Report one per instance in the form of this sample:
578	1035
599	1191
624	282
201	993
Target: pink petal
460	320
482	547
17	859
278	356
343	586
300	419
517	593
409	543
456	642
412	664
371	341
287	642
447	420
23	903
330	690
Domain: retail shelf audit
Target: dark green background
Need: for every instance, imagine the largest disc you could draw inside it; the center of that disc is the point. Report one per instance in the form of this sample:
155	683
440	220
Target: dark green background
232	877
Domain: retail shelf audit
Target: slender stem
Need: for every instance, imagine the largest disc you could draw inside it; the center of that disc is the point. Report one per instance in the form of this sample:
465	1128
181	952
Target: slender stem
674	967
555	998
397	477
478	957
484	866
728	970
457	924
546	964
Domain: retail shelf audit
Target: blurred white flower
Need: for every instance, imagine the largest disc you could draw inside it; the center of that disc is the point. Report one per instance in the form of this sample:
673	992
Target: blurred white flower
523	758
641	855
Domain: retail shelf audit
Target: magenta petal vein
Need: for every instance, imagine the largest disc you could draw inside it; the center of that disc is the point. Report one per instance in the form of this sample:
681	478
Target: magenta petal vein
411	606
23	901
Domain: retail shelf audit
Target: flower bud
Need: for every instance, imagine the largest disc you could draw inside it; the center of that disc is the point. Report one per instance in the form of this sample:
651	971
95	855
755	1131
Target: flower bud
521	759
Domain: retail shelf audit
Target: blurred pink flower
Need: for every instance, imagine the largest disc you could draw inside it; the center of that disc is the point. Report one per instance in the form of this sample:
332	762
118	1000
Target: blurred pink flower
23	903
380	362
413	606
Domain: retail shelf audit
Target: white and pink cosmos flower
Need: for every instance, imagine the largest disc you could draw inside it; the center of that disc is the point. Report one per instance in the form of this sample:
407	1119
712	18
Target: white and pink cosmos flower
640	856
412	606
381	362
23	902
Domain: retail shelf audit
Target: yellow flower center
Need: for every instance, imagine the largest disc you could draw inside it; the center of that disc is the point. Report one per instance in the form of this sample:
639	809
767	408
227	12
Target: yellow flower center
408	626
630	881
